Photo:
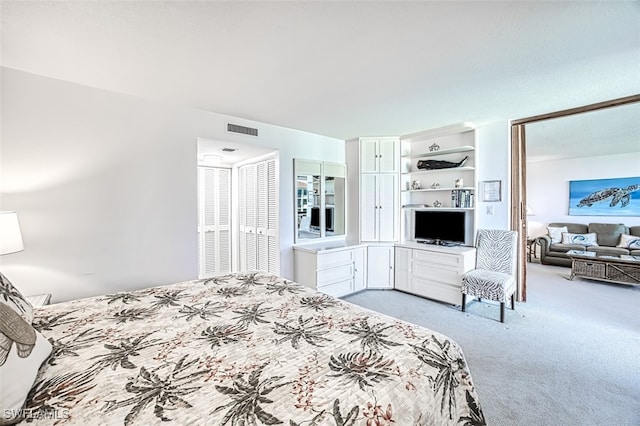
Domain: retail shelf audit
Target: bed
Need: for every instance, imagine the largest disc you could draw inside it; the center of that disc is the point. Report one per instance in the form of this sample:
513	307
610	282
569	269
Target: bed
243	349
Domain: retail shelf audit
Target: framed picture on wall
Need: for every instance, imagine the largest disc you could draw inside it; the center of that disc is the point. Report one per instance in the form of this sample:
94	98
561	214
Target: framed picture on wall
605	197
492	190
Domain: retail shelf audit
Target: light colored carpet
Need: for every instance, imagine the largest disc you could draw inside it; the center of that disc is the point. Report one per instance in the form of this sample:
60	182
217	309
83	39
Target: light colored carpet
570	355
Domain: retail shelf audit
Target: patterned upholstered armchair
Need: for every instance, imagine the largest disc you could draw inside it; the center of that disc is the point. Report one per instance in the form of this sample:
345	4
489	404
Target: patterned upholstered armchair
495	275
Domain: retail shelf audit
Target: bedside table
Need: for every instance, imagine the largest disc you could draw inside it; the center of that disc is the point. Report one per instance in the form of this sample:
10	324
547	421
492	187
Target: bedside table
39	299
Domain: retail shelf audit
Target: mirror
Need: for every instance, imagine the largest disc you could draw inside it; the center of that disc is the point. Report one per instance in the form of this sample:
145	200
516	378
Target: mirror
320	199
308	206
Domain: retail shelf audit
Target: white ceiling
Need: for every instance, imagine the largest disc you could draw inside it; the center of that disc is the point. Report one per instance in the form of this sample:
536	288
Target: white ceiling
337	68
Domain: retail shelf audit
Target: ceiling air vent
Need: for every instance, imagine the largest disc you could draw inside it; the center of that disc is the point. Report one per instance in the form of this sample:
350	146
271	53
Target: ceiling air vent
242	129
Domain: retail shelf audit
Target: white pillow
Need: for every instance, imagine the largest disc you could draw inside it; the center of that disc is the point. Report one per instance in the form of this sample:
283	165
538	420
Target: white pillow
580	239
11	296
555	233
27	350
629	241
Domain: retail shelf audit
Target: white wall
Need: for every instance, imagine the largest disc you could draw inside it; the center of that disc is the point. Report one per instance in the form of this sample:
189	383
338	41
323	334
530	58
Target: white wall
548	187
105	185
493	142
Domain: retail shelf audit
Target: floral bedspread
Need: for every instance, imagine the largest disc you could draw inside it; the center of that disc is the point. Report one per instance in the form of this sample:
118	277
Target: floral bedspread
244	349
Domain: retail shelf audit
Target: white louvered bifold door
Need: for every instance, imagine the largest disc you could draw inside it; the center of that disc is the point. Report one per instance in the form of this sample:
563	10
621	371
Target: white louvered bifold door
259	240
248	215
273	240
214	221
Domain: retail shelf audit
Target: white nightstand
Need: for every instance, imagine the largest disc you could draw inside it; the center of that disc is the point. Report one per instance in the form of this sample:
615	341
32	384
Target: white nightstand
39	299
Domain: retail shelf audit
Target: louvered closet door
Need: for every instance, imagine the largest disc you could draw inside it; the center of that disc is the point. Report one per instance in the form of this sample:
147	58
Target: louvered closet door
259	239
273	240
248	208
214	221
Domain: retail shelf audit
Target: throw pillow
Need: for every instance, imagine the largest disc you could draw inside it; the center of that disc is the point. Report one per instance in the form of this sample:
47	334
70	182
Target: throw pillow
629	241
580	239
22	351
10	296
555	233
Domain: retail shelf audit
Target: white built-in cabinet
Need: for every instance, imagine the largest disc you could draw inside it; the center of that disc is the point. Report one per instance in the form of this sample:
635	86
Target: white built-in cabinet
373	165
258	216
372	176
214	221
380	266
378	155
336	269
432	271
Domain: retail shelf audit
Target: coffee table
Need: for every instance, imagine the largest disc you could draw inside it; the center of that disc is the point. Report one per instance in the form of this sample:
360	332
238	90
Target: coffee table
623	269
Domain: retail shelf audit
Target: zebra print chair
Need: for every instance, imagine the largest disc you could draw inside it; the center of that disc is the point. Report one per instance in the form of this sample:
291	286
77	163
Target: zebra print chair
494	277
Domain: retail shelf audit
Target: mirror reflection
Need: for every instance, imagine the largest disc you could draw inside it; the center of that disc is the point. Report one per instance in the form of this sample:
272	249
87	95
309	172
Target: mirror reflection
308	206
334	205
320	199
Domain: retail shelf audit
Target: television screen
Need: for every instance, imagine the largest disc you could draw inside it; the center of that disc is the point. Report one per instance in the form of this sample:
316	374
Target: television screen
444	226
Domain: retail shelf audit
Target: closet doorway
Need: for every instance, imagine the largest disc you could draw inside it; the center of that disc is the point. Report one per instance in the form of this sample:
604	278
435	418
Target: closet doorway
228	238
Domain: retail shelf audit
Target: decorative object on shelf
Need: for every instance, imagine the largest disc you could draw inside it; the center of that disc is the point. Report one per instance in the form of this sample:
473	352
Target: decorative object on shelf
434	147
435	185
415	185
437	203
459	183
492	190
440	164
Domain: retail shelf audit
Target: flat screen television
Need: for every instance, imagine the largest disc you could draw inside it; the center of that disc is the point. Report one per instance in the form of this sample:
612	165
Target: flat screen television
440	227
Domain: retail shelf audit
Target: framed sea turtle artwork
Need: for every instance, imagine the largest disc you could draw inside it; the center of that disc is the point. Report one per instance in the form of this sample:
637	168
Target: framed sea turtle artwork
605	197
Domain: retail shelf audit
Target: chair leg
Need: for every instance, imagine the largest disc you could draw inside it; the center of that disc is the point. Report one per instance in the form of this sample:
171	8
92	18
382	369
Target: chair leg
464	302
513	302
501	311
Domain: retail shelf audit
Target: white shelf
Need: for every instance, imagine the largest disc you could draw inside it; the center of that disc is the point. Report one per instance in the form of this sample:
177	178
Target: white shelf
439	208
466	188
466	148
460	169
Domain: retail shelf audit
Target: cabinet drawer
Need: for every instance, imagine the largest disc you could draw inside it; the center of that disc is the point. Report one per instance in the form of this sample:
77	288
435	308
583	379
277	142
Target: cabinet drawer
332	275
326	260
437	290
436	272
439	258
339	289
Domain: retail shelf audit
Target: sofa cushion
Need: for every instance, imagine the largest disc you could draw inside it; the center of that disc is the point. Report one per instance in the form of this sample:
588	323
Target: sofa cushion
555	233
574	228
634	230
608	251
629	241
580	239
608	233
563	248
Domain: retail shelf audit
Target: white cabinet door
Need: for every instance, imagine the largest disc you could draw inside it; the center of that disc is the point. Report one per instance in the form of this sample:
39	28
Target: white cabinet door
380	261
369	206
403	269
359	261
387	186
387	156
379	207
368	156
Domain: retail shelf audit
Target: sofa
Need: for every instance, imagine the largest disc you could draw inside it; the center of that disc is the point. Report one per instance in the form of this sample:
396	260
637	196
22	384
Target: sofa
607	237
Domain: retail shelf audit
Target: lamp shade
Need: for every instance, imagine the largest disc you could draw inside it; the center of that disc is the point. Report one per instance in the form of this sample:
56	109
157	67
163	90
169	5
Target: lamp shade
10	236
530	211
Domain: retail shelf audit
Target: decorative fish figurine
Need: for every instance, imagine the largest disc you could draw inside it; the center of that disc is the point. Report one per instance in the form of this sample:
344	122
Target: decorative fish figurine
440	164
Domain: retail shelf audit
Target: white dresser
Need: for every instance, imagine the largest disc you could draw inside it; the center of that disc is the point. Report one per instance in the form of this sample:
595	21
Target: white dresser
334	268
433	271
